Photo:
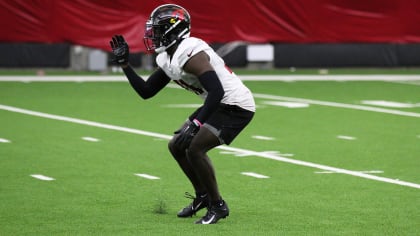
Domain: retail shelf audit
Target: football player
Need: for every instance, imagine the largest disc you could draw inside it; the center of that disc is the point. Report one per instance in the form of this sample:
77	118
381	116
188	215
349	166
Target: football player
227	108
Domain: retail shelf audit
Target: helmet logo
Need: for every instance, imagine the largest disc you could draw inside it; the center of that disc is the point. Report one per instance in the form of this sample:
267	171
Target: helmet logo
172	21
179	14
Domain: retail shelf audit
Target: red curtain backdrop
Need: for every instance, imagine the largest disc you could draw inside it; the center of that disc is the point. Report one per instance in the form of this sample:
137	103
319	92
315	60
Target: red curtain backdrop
92	23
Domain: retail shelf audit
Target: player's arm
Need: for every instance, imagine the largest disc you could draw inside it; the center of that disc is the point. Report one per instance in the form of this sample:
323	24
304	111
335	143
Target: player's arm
199	65
150	87
144	89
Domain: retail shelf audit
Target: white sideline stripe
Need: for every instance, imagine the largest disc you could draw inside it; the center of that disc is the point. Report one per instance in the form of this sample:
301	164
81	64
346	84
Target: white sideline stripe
146	176
266	155
42	177
121	78
255	175
336	104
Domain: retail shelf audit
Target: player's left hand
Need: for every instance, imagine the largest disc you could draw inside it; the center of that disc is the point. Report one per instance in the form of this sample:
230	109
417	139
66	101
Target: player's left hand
120	50
187	133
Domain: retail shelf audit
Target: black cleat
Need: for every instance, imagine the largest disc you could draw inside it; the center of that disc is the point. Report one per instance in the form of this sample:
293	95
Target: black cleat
198	203
214	214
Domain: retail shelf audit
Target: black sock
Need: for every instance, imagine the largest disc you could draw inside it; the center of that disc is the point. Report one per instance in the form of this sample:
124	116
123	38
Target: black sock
201	194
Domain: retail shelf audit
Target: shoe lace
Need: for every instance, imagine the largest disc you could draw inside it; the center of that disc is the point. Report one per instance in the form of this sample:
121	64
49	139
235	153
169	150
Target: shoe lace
189	195
196	200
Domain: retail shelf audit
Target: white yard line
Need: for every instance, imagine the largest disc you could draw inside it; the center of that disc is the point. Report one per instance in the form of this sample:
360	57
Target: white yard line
336	104
267	155
330	77
83	122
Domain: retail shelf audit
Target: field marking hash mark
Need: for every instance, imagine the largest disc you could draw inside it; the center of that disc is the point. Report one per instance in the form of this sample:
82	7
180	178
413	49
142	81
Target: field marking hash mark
42	177
147	176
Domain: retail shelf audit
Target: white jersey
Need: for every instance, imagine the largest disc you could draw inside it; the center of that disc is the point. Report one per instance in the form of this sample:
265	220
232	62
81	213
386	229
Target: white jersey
236	93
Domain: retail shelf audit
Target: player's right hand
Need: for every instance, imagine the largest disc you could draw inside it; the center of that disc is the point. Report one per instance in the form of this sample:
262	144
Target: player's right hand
120	50
187	133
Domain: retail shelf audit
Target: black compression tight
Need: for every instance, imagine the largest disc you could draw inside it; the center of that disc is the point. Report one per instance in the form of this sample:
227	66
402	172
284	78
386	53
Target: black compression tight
196	164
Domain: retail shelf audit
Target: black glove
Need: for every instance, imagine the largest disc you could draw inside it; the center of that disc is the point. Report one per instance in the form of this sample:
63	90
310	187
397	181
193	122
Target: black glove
187	133
120	49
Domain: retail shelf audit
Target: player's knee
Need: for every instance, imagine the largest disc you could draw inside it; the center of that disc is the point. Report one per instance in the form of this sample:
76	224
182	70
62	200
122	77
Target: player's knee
174	150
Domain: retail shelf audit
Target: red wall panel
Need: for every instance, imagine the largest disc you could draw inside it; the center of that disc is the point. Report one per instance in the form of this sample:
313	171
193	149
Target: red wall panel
92	23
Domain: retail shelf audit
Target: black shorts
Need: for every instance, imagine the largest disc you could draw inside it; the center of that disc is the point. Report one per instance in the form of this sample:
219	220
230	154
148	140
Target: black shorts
227	122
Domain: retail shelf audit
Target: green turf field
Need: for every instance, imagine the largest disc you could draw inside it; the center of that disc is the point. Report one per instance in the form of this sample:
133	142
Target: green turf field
93	137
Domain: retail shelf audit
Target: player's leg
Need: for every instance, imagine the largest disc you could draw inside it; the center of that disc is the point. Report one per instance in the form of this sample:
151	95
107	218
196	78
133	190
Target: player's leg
200	201
222	127
197	154
203	141
181	157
